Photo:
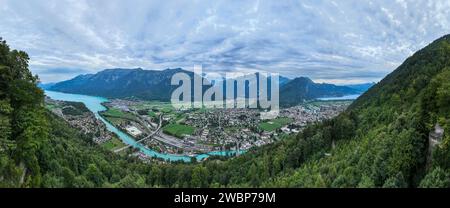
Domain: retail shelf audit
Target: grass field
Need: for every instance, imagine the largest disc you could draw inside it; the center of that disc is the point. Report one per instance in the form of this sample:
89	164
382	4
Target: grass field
113	144
50	106
178	130
152	114
275	124
153	104
166	109
116	113
115	121
179	118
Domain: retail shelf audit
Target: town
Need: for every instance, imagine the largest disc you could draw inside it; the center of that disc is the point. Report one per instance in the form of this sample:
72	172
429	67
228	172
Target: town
79	117
165	129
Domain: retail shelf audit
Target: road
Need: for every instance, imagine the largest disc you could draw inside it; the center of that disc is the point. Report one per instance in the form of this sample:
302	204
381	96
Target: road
147	137
167	139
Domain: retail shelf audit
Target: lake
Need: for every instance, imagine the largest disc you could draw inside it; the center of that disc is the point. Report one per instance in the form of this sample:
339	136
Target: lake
94	104
346	97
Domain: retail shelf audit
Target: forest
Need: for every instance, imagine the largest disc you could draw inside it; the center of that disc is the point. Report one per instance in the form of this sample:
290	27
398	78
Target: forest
382	140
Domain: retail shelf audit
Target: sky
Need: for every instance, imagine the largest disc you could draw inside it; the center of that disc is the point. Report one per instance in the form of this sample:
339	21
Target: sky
341	41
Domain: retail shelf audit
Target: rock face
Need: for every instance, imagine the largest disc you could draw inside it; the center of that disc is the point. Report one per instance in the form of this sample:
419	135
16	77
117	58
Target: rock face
436	136
434	139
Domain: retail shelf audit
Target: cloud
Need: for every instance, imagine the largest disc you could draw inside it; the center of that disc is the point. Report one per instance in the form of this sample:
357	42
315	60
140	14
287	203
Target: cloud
339	41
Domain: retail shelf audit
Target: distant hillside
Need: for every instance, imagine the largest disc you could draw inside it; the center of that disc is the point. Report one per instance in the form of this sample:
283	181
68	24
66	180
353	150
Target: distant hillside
361	88
45	86
123	83
302	88
283	80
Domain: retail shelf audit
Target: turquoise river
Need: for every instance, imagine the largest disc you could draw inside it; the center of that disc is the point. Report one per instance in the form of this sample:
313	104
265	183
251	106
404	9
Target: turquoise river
94	104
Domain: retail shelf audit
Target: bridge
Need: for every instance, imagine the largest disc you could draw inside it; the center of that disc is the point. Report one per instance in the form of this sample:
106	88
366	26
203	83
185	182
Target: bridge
143	139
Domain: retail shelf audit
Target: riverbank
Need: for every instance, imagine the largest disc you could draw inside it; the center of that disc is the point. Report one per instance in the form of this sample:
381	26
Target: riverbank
94	104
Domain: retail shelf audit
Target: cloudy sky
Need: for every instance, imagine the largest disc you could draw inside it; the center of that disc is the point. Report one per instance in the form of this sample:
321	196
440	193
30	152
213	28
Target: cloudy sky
341	41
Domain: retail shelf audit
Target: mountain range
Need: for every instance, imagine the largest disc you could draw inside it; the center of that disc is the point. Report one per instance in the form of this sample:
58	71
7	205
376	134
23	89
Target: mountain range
123	83
155	85
302	89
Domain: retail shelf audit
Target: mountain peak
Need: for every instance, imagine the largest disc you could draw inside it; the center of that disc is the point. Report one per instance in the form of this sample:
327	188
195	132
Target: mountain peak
121	69
173	70
303	79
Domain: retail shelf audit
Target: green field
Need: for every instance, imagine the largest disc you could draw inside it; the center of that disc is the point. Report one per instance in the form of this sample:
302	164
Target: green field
116	113
115	121
113	144
178	130
166	109
51	106
275	124
153	105
180	118
152	114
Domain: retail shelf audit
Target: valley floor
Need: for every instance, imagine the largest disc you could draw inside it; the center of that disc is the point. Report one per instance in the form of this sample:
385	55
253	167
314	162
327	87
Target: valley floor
160	127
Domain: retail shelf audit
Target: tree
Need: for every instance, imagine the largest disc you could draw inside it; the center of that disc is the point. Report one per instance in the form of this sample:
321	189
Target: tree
22	120
95	175
253	175
366	182
132	181
437	178
396	181
199	177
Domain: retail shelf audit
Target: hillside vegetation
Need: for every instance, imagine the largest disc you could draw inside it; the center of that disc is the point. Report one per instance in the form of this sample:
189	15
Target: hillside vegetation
23	125
385	133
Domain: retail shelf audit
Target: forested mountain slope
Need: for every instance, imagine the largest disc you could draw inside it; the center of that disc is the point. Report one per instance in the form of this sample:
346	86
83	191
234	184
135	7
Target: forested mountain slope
39	150
23	125
385	134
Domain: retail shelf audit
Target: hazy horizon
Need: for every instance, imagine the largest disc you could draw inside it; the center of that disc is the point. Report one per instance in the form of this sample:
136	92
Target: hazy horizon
340	42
